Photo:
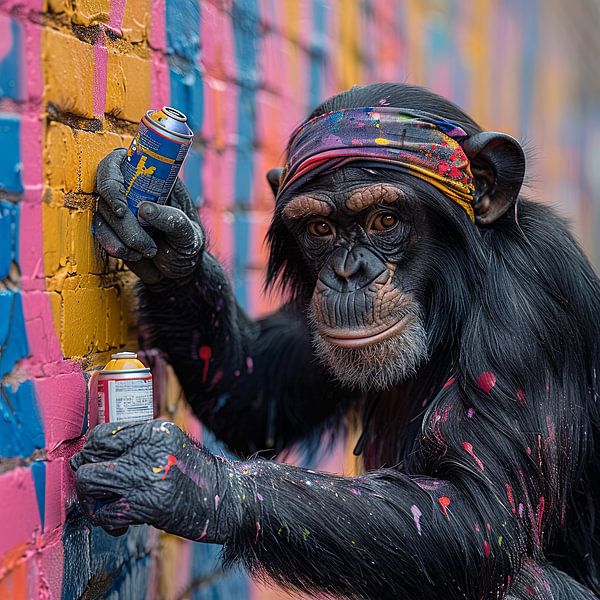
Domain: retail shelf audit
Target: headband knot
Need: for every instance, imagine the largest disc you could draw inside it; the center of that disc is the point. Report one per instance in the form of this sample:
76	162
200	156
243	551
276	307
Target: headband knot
422	144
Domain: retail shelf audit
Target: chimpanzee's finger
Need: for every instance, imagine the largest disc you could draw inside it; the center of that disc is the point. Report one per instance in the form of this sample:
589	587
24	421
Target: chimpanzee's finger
181	233
110	183
115	517
145	270
128	230
109	240
108	441
96	481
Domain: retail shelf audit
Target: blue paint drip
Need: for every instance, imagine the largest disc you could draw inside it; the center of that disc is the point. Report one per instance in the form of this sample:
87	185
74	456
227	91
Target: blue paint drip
183	28
38	471
10	156
9	236
13	340
318	53
21	431
10	73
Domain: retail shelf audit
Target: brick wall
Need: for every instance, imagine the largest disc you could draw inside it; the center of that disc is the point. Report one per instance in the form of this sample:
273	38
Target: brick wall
75	78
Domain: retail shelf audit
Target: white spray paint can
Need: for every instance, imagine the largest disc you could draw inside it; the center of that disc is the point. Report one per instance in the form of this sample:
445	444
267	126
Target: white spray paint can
125	390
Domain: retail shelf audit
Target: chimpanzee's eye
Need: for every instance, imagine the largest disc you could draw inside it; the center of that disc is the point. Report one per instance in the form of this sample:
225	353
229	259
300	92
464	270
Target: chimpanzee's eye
319	228
382	221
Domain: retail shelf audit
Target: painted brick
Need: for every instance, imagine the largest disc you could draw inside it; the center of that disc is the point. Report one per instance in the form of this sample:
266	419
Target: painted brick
13	340
136	20
91	12
21	431
187	93
17	498
183	28
60	157
10	55
128	86
62	401
10	164
91	149
84	318
68	67
9	242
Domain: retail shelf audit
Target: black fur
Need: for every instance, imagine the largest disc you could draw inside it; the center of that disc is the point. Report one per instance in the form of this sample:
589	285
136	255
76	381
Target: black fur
515	304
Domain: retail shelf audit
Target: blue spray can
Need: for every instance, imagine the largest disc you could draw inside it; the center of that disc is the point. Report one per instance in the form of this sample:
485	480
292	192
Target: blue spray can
155	156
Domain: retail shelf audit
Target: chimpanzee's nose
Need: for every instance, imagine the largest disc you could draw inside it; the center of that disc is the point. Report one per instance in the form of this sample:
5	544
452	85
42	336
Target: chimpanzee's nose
348	270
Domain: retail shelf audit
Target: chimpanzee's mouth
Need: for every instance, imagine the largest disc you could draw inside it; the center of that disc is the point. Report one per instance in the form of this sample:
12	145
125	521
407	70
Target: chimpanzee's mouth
357	338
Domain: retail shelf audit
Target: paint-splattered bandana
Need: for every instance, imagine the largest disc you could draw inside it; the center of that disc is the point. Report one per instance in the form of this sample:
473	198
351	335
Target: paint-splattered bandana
423	144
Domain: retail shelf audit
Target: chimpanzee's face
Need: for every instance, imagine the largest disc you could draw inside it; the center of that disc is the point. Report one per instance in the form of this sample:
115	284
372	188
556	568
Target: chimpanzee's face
360	235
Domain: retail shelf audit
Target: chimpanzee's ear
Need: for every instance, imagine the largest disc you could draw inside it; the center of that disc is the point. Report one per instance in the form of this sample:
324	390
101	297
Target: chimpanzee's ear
498	167
273	178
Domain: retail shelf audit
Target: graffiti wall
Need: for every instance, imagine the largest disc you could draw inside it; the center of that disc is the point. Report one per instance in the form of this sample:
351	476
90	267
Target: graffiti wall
75	78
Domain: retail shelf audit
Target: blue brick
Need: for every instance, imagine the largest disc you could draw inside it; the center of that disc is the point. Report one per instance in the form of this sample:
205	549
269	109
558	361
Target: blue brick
183	28
186	92
9	236
21	431
38	471
193	175
10	156
13	339
10	72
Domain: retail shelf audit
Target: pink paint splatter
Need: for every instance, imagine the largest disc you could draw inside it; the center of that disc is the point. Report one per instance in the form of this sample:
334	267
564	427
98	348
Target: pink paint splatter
416	513
486	381
203	533
257	532
469	449
486	549
449	383
470	412
205	354
249	364
540	516
521	510
259	497
355	491
444	503
171	460
511	499
521	396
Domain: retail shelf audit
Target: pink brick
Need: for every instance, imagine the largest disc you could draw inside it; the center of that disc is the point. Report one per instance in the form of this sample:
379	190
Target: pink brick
218	55
18	500
62	401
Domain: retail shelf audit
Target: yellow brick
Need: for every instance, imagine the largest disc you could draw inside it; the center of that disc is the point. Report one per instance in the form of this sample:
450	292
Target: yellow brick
113	322
54	225
55	306
60	157
68	67
136	20
84	320
82	256
127	86
91	12
92	148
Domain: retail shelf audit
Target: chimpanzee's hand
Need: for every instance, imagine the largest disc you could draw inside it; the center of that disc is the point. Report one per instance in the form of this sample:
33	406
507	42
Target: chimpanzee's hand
178	236
150	472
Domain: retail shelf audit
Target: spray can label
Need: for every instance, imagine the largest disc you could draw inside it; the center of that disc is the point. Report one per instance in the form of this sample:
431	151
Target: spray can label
125	390
155	156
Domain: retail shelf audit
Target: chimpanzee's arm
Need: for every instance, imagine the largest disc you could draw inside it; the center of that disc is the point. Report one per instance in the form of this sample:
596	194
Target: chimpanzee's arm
254	383
488	493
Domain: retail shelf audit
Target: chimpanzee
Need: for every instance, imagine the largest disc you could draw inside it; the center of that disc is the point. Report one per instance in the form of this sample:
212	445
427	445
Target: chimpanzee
459	320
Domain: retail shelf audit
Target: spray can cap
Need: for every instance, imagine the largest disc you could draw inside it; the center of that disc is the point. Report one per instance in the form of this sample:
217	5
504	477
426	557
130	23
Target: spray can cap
119	355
